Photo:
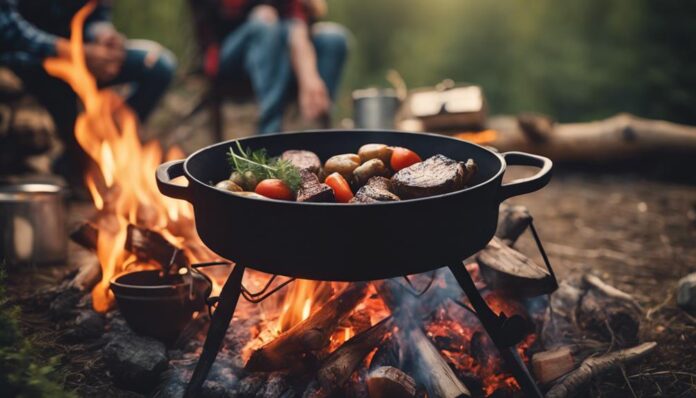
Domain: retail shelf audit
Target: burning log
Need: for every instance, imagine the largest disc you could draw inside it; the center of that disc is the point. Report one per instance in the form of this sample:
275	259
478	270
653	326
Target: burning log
390	382
505	268
387	354
312	334
596	366
338	367
148	245
552	364
611	313
86	235
513	222
435	374
89	272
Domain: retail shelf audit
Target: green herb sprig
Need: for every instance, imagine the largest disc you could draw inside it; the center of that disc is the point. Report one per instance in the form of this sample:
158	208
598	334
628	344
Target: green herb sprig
263	166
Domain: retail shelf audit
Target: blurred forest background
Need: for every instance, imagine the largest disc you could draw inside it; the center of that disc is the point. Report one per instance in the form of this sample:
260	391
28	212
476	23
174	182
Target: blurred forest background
575	60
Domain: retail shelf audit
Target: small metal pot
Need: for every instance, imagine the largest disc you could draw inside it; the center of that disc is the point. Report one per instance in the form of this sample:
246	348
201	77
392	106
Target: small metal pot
32	223
160	307
375	108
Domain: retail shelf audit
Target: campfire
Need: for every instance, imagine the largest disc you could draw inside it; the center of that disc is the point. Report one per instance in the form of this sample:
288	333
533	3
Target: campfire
406	337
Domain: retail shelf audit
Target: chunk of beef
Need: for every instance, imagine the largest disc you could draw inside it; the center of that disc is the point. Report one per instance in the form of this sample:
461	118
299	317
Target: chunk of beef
311	190
303	160
433	176
380	182
370	194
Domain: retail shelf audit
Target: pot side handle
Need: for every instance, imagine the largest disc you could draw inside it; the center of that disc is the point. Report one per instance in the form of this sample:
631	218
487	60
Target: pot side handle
529	184
165	173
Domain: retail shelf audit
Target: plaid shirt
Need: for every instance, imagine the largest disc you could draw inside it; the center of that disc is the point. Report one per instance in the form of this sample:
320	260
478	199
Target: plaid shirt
29	28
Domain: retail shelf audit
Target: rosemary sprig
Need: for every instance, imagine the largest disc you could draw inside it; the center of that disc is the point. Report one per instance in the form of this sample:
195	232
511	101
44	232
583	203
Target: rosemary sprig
258	163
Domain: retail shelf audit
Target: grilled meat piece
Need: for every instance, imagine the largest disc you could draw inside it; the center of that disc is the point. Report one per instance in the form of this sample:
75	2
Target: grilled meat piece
433	176
311	190
303	160
382	183
371	194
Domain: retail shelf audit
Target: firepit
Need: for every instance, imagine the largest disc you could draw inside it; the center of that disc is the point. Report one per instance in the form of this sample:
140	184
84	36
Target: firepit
444	229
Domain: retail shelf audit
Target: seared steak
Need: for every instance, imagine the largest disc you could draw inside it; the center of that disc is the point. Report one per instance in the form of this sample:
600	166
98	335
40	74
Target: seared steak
379	182
312	190
433	176
303	160
370	194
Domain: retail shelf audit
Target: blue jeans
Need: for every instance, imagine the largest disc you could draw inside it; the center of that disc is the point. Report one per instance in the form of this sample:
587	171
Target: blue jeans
260	51
148	67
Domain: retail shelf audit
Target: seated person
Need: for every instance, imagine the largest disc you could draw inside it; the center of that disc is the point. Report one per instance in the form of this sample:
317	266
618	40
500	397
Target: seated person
32	30
273	44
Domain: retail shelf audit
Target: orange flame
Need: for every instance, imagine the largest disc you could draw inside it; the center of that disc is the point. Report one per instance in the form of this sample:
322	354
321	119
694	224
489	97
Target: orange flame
122	184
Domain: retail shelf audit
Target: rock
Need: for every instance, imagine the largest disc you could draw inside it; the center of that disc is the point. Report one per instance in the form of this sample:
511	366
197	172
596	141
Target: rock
64	304
89	324
135	361
686	293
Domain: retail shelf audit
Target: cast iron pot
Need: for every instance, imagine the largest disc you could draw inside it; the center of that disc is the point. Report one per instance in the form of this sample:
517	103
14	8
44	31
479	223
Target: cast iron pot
159	307
349	242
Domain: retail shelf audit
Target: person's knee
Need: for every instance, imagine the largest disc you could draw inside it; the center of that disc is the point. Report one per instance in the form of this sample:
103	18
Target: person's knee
160	63
330	38
259	28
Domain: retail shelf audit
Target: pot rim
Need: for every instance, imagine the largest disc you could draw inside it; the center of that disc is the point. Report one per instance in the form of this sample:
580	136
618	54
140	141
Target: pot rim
496	175
114	282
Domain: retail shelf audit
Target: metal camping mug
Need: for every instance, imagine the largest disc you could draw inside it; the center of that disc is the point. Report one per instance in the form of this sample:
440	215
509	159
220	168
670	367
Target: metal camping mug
375	108
32	223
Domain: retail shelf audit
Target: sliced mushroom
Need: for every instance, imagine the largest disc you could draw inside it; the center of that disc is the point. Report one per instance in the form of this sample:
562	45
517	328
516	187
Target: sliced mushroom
375	151
342	164
371	168
228	185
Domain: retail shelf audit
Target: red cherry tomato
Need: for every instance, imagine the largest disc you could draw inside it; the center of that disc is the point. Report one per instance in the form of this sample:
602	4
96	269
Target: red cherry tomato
402	158
274	189
340	186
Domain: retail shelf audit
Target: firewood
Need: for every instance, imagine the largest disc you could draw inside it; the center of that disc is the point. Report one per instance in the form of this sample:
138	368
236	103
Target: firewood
511	271
390	382
514	220
148	245
550	365
86	235
337	368
89	272
308	336
596	366
387	354
608	290
431	368
612	319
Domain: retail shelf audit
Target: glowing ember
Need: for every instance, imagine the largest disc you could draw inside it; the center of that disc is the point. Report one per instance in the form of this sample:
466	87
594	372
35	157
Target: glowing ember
122	184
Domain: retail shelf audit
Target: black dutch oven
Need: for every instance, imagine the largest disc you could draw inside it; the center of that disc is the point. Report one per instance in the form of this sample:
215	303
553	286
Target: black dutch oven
349	242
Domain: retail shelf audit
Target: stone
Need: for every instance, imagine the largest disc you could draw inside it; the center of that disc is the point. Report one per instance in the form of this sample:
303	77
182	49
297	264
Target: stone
136	362
88	325
686	293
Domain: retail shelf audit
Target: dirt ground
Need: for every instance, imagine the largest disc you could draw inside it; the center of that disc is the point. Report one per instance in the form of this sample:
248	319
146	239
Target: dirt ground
636	233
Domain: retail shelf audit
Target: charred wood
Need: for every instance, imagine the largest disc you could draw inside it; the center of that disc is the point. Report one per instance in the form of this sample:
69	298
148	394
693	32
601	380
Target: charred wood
514	220
390	382
387	354
308	336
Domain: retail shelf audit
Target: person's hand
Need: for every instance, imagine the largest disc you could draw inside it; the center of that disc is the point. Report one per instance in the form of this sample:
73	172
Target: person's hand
264	13
103	61
314	98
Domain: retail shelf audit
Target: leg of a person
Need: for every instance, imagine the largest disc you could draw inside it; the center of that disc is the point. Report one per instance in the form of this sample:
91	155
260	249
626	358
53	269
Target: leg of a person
61	102
259	50
149	67
331	44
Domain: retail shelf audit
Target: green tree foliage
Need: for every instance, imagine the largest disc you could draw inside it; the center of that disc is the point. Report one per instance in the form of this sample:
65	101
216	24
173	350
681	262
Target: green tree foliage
574	59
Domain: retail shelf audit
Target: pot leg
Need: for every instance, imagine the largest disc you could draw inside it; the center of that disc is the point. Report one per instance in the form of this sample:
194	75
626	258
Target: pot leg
501	330
216	333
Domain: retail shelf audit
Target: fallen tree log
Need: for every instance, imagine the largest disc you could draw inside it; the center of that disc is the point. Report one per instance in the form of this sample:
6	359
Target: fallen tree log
596	366
550	365
390	382
310	335
619	137
505	268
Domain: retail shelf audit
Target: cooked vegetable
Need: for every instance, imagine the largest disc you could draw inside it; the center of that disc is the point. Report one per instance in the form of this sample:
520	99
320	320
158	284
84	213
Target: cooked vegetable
402	158
275	189
375	151
257	165
228	185
371	168
342	164
250	195
340	186
237	178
